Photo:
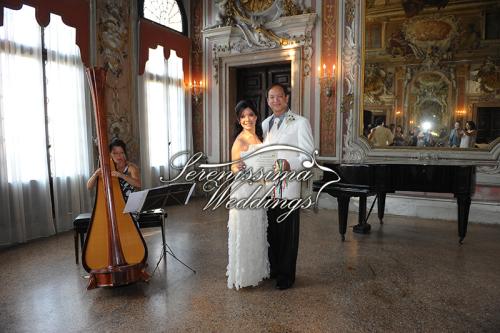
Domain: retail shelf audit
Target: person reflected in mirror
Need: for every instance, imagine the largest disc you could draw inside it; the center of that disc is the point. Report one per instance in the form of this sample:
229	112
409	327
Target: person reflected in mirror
399	139
380	136
442	139
392	127
425	139
127	172
455	135
413	139
367	130
468	139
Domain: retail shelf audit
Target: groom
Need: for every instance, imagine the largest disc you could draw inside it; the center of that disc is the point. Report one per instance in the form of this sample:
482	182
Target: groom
287	128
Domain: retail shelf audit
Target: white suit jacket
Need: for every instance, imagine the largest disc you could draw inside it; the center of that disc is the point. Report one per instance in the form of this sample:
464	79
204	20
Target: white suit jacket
294	131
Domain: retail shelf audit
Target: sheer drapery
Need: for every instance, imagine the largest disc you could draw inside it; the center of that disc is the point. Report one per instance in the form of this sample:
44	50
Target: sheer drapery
26	129
163	117
25	208
68	123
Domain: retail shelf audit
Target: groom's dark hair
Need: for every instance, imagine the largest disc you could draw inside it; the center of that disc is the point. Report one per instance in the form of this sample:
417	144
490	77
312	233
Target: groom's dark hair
242	105
282	86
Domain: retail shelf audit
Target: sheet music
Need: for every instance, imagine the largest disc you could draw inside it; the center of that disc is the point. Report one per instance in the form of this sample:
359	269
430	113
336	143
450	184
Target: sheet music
135	201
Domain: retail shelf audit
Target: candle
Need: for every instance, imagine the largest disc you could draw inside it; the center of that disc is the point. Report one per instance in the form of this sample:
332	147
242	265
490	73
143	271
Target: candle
324	70
333	71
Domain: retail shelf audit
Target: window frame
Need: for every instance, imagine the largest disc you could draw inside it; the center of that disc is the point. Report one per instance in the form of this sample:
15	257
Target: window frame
181	10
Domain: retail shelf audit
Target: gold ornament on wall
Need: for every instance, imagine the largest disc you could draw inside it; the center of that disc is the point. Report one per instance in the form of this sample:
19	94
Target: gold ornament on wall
256	6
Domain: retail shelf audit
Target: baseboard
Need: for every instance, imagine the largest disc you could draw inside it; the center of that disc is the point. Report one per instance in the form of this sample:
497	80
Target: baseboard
427	208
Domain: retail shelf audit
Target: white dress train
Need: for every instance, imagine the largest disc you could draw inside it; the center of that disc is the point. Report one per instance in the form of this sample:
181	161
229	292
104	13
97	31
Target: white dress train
247	242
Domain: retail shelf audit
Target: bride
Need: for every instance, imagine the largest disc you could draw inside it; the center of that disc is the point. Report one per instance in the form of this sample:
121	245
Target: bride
247	243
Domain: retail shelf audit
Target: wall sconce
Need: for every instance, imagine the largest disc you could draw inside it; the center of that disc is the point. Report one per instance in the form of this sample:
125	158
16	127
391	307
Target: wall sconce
196	91
327	82
398	113
460	113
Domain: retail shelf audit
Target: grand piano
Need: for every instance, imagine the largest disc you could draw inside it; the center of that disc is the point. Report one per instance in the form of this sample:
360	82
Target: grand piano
362	181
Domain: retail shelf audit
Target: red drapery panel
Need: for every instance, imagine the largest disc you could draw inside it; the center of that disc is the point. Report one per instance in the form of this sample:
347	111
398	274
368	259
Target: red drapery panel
152	34
74	13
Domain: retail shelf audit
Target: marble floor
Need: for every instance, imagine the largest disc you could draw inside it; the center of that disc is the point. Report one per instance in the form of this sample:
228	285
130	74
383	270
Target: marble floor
407	275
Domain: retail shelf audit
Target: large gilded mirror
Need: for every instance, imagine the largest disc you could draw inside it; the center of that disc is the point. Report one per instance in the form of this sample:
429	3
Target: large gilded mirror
431	74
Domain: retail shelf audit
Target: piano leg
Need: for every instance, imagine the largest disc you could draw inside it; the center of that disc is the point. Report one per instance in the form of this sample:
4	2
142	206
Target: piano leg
362	227
343	203
381	206
463	201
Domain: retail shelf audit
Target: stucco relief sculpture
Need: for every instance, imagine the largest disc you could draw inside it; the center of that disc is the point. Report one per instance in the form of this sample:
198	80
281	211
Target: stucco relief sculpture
352	151
260	25
488	76
113	39
256	6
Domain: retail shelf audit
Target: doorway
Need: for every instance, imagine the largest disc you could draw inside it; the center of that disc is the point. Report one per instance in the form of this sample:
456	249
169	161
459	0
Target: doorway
226	96
488	124
253	84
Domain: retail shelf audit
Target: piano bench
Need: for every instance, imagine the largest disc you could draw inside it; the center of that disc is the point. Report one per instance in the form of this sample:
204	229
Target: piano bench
343	193
146	220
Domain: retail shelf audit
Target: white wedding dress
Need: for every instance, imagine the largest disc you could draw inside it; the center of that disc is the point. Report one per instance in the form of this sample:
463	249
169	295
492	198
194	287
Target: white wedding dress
247	241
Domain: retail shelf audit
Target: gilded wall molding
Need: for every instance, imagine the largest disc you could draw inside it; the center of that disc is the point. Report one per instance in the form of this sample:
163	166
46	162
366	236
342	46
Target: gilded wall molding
197	71
328	114
355	147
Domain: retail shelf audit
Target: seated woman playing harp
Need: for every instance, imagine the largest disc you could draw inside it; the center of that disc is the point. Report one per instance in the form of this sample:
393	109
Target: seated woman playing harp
127	172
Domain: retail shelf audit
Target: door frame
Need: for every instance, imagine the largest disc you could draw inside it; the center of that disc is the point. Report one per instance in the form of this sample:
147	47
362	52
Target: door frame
227	91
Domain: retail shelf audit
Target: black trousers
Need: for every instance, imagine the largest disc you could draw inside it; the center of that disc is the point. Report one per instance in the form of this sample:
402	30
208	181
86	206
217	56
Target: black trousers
283	239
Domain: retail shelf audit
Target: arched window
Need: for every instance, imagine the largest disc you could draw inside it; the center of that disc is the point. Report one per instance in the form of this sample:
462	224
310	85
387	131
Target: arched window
164	132
169	13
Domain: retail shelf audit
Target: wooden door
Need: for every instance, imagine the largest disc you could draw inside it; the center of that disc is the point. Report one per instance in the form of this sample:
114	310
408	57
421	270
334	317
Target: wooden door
488	124
253	83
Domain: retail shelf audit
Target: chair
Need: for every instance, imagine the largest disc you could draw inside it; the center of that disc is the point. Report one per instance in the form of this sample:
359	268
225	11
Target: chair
146	220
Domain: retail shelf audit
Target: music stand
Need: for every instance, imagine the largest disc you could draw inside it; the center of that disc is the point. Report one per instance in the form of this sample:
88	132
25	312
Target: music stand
157	199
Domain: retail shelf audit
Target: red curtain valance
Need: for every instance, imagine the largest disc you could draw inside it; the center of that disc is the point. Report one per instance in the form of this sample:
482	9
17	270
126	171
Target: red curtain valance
152	34
74	13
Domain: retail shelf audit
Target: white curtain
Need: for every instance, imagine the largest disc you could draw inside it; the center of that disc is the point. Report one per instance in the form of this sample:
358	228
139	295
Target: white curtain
163	116
68	123
25	208
26	130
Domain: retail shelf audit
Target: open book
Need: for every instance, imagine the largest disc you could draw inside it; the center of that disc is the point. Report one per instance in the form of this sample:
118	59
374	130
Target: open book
159	197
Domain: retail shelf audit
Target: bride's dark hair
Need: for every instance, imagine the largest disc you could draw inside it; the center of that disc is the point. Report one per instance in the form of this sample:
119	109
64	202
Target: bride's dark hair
242	105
